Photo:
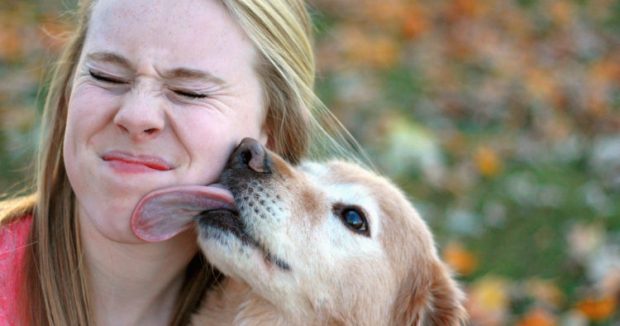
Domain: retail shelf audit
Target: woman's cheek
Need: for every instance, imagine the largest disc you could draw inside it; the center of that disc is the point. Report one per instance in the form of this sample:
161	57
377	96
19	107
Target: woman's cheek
208	139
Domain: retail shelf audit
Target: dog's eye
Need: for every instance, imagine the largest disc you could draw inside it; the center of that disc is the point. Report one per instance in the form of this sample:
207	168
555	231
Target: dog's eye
354	218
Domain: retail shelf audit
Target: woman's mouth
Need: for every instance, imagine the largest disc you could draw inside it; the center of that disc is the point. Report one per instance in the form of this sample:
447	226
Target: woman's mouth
130	163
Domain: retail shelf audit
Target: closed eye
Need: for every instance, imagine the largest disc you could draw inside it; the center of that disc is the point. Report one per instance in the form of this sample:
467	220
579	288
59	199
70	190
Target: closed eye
189	94
106	78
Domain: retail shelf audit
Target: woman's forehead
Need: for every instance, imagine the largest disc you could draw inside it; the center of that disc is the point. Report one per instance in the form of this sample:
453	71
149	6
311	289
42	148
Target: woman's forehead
186	32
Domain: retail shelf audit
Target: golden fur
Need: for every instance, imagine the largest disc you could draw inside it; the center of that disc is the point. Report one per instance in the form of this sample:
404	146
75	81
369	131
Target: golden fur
304	266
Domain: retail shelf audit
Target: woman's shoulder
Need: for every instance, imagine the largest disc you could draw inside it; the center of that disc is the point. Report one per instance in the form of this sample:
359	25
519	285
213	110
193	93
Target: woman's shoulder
14	234
16	208
13	243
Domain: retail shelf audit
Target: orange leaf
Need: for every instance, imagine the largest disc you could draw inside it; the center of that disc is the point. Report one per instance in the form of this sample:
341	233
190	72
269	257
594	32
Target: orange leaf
414	23
538	317
487	161
597	308
460	259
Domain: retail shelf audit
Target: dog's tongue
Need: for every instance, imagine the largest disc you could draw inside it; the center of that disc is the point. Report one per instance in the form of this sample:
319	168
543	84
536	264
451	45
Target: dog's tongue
162	214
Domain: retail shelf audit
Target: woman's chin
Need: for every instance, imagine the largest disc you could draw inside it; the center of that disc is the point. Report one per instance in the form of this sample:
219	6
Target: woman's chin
107	222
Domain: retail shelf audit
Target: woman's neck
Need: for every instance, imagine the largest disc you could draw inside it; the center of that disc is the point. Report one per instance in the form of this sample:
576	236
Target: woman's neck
135	284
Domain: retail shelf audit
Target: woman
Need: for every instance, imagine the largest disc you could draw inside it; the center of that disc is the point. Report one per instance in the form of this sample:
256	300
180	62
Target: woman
147	94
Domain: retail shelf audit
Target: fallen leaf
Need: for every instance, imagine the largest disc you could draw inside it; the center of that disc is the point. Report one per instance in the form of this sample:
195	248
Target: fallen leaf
538	317
463	261
488	161
597	308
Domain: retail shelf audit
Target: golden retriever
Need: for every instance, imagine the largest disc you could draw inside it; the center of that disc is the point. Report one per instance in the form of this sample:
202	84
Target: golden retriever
316	244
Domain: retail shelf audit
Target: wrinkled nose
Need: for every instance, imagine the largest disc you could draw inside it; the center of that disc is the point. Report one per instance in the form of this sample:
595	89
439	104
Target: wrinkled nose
250	154
140	116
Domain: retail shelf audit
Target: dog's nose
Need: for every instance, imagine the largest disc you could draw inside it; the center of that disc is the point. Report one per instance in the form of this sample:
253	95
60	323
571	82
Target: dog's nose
251	154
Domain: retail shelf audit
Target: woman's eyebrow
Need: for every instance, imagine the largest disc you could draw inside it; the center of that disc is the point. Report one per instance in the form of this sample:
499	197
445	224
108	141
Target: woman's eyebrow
172	74
110	57
192	74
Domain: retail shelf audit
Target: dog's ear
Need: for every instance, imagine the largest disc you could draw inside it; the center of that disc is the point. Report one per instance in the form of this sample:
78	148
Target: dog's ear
430	299
446	302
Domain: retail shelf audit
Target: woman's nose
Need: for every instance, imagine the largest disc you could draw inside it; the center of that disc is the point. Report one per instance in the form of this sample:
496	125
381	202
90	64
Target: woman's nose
140	116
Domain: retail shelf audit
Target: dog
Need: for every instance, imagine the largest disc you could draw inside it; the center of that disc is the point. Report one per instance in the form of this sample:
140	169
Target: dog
314	244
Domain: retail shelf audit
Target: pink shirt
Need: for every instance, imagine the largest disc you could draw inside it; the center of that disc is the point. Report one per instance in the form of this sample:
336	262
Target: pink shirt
13	242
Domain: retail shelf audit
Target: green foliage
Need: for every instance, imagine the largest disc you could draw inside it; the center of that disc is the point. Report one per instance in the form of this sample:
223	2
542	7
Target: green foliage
500	119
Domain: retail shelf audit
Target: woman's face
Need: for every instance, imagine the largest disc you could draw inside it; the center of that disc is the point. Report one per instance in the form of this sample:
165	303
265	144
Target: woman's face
163	92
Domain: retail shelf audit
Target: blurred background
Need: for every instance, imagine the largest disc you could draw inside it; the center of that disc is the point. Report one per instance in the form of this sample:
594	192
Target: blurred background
500	119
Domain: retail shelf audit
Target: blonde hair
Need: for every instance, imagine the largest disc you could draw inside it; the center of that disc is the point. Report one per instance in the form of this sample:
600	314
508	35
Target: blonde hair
299	123
56	288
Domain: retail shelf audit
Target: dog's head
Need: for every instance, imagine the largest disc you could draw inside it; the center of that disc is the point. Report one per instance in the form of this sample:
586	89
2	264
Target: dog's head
327	240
